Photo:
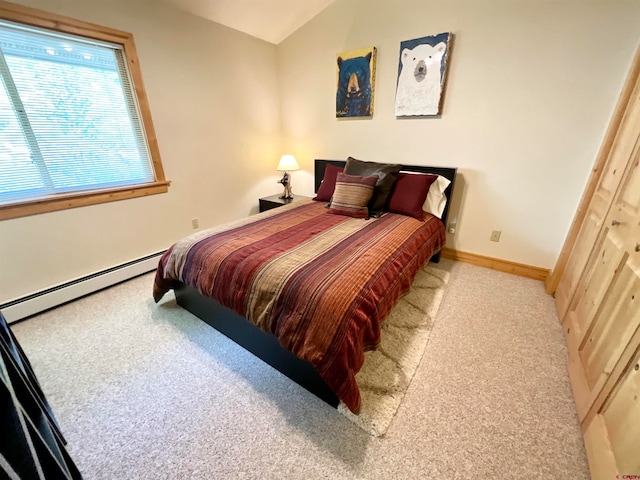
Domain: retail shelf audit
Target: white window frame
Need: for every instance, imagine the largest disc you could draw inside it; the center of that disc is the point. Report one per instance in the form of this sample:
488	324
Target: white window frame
57	23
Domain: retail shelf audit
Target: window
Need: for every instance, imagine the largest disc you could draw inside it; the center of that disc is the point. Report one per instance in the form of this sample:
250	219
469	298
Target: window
75	128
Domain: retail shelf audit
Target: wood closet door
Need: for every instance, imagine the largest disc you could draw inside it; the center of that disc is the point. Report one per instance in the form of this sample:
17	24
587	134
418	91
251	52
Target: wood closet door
603	333
598	297
603	314
595	218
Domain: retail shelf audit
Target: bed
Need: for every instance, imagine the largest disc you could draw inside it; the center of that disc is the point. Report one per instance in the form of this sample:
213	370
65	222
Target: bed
304	290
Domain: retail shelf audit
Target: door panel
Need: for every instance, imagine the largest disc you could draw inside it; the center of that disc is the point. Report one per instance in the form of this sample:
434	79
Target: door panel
621	151
602	461
631	191
584	244
613	327
601	271
622	418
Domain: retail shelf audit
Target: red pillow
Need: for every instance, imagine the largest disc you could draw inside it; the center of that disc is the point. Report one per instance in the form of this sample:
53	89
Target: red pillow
410	192
328	185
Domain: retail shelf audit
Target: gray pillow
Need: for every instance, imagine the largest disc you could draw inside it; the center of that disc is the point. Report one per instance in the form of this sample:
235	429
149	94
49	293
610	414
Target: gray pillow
387	175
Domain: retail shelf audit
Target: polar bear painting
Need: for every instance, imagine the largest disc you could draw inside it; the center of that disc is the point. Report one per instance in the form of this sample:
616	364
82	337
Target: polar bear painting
421	74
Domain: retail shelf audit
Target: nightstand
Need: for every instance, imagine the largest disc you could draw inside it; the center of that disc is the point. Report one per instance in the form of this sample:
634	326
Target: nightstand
274	201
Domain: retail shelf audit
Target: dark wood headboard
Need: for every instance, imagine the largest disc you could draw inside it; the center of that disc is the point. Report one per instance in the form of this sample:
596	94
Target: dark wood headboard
446	172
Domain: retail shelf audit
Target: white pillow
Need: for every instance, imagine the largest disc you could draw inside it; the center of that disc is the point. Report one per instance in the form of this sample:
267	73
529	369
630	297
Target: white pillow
436	199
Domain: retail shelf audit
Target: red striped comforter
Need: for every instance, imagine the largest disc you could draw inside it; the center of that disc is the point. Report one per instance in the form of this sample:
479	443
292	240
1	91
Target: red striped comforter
321	283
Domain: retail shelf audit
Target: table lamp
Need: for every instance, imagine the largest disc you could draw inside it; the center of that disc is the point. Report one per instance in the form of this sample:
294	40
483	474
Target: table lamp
287	164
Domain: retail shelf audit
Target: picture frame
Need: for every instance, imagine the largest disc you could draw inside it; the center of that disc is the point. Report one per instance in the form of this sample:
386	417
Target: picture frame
422	70
355	82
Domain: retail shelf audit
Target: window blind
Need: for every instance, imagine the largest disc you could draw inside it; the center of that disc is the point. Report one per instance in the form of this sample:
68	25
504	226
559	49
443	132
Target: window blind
69	120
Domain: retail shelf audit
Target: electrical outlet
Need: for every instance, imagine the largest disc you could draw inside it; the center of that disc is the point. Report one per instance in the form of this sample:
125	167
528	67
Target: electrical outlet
194	223
495	236
452	227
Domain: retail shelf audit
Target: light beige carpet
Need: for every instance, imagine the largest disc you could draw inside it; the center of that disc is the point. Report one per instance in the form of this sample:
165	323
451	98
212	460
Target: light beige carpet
388	370
145	391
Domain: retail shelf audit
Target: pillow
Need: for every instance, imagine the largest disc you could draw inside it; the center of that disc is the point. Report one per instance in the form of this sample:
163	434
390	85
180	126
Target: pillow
387	174
436	199
328	183
352	194
410	193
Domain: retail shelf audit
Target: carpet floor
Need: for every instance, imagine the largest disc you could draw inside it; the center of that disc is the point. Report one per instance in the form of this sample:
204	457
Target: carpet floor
145	391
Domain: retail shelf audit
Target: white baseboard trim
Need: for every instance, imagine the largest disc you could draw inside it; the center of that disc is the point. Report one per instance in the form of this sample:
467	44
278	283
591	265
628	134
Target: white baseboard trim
38	302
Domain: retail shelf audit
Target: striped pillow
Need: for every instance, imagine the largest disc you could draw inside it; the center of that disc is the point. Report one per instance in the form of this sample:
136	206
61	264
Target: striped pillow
352	194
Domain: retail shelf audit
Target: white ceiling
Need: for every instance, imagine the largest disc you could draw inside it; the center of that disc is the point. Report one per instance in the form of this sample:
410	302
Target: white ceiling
270	20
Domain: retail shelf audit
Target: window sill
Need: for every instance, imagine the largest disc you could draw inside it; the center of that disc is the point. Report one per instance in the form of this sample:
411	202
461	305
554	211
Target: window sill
83	199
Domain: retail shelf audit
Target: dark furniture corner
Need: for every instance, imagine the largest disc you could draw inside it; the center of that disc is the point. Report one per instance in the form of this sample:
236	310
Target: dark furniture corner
31	445
274	201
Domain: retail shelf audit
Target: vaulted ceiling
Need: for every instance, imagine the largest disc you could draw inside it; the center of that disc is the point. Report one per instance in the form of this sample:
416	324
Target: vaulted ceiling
270	20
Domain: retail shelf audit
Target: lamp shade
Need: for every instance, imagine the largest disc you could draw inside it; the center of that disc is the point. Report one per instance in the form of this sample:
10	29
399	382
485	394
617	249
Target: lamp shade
288	163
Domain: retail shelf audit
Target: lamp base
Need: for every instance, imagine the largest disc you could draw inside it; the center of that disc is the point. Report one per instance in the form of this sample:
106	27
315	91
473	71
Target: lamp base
286	182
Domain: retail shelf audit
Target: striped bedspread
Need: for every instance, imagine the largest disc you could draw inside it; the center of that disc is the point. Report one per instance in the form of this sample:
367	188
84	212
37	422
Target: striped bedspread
321	283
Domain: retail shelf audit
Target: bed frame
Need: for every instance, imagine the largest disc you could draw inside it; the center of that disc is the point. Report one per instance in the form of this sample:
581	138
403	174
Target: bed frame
263	345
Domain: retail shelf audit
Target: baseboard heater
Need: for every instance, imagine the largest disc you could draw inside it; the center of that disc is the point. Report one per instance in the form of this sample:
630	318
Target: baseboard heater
38	302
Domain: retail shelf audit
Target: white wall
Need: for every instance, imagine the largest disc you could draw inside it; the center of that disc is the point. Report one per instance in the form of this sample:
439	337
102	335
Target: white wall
213	97
530	90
